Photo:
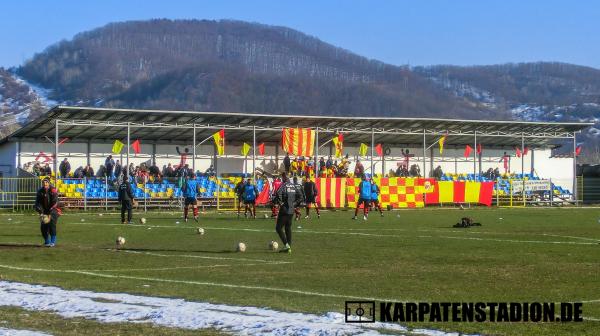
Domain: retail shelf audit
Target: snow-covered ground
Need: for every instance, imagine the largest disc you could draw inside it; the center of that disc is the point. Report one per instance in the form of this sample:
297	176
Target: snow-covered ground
168	312
15	332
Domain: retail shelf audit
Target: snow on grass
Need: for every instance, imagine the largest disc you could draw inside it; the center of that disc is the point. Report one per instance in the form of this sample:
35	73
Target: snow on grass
14	332
179	313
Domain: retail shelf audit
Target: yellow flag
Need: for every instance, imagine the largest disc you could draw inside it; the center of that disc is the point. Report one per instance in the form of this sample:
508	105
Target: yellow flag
441	142
363	149
338	142
219	138
117	147
246	149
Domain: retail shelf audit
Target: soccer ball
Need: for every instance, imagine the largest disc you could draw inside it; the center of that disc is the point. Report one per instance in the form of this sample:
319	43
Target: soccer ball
200	231
45	219
273	245
241	247
143	220
120	241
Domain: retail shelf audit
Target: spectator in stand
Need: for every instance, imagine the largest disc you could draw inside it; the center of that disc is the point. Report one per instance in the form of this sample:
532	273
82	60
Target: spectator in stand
496	173
118	169
64	168
359	169
47	171
437	173
131	169
169	172
101	171
155	172
109	164
329	162
321	164
79	173
210	171
415	171
88	171
287	163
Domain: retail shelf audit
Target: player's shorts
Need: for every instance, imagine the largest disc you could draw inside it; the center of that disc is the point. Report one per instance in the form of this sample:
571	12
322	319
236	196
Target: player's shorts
190	200
363	201
311	199
375	201
240	198
250	202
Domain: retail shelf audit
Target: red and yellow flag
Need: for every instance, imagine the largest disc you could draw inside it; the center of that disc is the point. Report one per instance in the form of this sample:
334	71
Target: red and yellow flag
298	141
332	192
338	141
219	138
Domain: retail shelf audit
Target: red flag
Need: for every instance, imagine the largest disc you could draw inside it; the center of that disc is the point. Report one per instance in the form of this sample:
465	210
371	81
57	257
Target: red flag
261	149
468	150
578	150
479	149
63	140
518	151
136	147
525	151
379	150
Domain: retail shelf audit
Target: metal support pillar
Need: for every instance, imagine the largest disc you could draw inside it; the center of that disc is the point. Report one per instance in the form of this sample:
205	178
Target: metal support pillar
372	151
56	153
424	153
254	153
194	150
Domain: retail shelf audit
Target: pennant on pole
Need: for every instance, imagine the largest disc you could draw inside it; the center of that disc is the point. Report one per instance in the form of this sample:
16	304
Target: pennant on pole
137	147
479	149
246	149
468	150
338	141
219	138
441	143
362	151
518	150
379	149
261	149
63	140
117	147
525	150
578	150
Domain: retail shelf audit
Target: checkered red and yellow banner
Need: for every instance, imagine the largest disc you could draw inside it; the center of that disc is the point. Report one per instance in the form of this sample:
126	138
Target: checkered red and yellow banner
397	192
400	192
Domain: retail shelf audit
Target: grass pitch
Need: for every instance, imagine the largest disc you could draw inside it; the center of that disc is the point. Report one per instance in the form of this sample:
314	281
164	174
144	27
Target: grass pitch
518	255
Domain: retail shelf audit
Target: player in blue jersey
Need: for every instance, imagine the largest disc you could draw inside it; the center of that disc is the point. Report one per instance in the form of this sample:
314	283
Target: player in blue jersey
375	197
364	197
190	189
250	194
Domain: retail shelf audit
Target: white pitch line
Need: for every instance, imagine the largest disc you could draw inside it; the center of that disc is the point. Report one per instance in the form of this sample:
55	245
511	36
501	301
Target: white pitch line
517	241
174	268
202	283
201	257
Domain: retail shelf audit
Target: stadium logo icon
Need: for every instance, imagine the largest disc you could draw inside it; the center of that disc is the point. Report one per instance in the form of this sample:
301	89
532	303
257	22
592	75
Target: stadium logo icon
360	311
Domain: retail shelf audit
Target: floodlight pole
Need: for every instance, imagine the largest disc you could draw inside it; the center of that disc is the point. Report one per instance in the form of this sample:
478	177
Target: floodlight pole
523	166
372	151
475	156
254	153
194	149
128	140
56	154
574	169
424	153
316	167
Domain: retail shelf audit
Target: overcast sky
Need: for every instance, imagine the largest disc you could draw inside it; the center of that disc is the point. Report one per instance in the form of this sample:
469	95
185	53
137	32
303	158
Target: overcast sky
398	32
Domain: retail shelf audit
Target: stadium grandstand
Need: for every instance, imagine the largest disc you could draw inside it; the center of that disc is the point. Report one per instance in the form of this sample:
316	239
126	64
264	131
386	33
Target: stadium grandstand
417	161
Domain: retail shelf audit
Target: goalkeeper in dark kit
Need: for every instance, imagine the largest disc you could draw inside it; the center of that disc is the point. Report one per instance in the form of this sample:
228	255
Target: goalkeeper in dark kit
288	196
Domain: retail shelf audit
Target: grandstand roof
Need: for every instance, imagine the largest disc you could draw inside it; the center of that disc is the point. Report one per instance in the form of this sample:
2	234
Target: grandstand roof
161	126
